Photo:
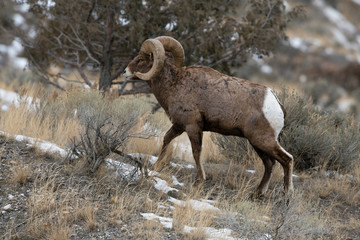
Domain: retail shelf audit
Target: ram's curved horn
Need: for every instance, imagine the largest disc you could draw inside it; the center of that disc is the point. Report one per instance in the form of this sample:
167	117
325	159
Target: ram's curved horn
174	46
156	48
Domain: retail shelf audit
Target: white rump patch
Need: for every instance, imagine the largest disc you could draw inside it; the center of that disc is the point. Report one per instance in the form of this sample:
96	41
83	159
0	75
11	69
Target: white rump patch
273	112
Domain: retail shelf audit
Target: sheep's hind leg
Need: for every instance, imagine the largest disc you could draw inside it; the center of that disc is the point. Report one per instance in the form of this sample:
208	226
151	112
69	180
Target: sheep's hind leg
172	133
195	135
273	149
286	161
269	165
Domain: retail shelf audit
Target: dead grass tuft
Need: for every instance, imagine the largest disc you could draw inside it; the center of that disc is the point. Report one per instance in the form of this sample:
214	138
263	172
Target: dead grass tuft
148	230
20	174
86	211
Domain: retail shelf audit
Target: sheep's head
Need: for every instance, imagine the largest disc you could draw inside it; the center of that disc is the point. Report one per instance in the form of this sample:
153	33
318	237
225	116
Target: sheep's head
150	60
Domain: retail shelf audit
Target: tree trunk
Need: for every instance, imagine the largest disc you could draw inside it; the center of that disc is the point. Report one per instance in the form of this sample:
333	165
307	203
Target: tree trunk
105	76
107	58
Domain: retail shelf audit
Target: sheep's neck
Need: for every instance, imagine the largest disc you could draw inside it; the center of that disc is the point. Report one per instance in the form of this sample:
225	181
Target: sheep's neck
164	85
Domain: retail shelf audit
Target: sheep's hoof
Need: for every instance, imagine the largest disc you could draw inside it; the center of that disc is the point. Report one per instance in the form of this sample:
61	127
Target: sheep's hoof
257	195
199	181
288	196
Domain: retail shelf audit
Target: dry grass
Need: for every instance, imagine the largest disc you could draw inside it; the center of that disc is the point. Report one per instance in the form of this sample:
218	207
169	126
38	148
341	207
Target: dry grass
20	174
148	230
86	211
37	121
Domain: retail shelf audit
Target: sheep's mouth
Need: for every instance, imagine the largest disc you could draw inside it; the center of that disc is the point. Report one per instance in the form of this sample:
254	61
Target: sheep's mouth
127	74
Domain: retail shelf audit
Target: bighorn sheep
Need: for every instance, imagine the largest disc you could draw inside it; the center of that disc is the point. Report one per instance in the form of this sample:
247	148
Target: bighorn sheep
199	98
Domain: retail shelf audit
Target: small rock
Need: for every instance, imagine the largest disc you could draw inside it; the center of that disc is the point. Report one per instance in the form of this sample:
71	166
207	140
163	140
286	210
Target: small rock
10	196
7	207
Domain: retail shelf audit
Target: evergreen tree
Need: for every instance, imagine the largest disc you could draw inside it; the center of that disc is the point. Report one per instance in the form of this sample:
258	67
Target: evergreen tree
106	35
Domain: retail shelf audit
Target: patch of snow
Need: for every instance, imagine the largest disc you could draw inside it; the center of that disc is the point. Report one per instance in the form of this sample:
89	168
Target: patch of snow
44	146
298	43
170	26
165	221
13	51
304	45
287	6
124	21
266	69
20	62
213	233
189	165
18	19
152	159
258	60
266	236
163	186
23	7
195	204
176	182
123	170
253	171
51	148
8	98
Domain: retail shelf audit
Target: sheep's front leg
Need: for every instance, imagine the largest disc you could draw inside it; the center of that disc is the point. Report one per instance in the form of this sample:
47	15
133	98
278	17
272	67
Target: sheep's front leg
172	133
195	135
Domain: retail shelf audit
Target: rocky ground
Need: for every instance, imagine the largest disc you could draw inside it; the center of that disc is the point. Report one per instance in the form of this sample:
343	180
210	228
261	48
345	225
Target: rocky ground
41	197
17	210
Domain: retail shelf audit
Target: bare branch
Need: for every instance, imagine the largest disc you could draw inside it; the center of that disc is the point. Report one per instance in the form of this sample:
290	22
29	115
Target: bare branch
89	44
269	13
89	54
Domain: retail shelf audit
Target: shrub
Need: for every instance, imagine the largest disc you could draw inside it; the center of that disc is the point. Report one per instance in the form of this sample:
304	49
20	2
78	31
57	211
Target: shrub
316	138
105	125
